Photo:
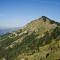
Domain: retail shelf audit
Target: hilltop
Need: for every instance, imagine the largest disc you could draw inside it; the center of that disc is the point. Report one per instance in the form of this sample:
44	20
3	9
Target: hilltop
38	40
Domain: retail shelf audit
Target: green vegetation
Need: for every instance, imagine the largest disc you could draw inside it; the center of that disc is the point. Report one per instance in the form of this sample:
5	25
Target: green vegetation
39	40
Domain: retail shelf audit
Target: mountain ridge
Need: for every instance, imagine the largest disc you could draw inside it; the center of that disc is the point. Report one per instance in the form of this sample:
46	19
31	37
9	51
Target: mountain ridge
38	40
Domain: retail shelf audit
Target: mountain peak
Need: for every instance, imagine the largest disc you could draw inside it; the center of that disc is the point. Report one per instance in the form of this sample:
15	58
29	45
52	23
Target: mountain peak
44	18
39	40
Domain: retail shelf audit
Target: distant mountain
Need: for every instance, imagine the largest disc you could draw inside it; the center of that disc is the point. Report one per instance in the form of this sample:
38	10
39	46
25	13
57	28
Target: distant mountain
6	30
38	40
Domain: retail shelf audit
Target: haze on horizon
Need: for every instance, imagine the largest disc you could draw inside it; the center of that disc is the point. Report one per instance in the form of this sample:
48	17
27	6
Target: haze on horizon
17	13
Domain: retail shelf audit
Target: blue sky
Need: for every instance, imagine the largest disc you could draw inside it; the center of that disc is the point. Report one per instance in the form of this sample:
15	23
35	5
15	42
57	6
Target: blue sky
17	13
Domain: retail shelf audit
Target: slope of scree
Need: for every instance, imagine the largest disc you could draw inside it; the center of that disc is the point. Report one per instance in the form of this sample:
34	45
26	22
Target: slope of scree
38	40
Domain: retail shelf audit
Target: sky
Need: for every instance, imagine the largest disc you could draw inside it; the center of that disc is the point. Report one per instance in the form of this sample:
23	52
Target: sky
17	13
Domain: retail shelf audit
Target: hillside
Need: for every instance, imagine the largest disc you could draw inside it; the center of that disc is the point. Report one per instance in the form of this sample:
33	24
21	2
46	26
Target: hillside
38	40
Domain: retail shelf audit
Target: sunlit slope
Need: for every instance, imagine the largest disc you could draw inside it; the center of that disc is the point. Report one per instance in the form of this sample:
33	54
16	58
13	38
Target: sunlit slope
38	40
